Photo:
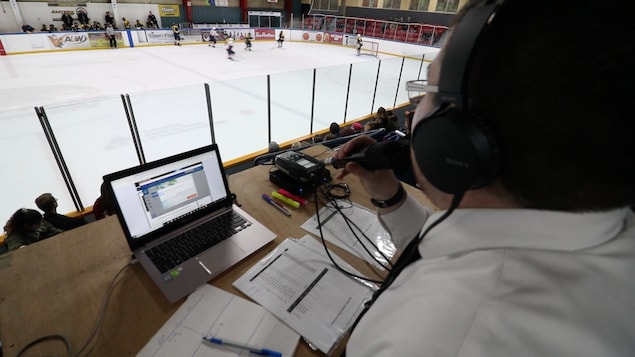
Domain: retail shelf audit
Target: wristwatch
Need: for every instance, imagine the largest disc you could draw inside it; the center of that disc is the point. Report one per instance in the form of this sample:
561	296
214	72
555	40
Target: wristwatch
392	200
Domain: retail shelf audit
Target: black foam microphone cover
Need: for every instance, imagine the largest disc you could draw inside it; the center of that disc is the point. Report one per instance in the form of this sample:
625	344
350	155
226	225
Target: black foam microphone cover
382	155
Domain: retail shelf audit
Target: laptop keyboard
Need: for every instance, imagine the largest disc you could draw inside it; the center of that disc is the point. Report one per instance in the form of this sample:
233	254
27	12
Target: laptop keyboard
175	251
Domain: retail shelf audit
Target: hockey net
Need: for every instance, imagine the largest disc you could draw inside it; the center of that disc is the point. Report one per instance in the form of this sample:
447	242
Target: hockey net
368	48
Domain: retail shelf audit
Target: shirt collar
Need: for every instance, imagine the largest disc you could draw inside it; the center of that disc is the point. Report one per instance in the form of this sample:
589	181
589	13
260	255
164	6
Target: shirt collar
467	230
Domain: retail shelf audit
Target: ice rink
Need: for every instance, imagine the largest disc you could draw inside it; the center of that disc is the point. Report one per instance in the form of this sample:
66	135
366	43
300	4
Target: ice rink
59	77
282	93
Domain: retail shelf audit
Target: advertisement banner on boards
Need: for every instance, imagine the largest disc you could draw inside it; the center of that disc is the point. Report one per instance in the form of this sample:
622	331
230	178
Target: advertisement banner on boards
265	34
312	36
101	40
69	40
160	36
332	37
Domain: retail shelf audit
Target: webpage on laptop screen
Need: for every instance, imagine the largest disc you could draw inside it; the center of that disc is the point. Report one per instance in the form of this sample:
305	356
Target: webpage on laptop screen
167	195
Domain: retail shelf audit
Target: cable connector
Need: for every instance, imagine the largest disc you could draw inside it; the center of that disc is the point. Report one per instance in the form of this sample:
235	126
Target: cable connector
235	199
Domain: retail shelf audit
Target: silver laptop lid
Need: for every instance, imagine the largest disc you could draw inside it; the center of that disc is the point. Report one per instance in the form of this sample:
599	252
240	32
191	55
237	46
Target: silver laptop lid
156	198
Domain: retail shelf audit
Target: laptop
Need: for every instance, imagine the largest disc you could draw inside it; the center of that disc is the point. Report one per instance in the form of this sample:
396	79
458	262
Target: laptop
180	220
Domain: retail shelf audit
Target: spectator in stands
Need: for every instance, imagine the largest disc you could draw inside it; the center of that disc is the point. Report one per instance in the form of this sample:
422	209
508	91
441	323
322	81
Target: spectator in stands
152	21
347	131
382	120
274	147
82	16
357	127
109	19
25	227
393	121
103	205
126	23
47	203
382	115
27	28
52	28
97	26
138	25
318	139
67	20
334	129
44	28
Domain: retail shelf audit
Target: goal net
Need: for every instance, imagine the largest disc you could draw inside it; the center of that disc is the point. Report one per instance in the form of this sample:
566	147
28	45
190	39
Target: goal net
368	48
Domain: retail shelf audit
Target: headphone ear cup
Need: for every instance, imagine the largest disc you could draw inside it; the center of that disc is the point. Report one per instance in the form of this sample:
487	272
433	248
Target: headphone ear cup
455	151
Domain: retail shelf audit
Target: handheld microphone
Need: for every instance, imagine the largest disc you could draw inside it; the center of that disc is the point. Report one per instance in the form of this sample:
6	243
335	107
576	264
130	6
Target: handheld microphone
382	155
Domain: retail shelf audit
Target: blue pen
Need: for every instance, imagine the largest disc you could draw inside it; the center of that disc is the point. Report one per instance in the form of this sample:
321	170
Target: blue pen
252	349
277	205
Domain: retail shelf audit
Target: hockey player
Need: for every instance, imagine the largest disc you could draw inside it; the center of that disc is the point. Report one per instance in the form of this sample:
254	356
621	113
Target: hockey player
248	42
177	35
212	37
360	43
230	48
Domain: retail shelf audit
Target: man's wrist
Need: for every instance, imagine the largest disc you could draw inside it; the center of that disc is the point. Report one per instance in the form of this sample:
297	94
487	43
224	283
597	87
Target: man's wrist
397	198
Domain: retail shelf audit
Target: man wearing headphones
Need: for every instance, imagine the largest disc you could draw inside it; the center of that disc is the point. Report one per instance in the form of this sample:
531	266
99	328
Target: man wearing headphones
533	249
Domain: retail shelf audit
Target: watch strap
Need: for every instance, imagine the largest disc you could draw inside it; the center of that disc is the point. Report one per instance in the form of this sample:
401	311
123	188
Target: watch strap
401	192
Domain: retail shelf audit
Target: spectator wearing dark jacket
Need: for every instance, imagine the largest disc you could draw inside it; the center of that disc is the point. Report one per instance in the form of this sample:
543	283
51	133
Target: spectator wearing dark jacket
47	203
25	227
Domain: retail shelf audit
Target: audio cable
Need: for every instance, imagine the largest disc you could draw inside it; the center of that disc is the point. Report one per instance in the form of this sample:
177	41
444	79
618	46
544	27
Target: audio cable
334	203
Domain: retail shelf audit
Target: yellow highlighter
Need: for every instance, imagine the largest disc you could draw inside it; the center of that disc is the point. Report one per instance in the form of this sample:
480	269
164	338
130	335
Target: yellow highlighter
287	200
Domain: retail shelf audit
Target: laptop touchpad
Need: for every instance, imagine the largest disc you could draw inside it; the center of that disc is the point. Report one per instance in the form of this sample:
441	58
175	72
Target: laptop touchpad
221	257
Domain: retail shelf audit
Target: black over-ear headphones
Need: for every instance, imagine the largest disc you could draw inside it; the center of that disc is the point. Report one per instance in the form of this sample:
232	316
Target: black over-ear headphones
453	148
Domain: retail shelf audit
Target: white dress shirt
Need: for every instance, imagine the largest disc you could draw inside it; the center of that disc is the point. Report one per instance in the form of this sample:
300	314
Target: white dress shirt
507	282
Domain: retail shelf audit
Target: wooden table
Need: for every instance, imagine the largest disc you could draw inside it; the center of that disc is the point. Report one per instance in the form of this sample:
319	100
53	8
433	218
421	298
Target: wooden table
58	286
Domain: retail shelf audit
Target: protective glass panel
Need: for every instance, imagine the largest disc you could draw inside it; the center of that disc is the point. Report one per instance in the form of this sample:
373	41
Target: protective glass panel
94	138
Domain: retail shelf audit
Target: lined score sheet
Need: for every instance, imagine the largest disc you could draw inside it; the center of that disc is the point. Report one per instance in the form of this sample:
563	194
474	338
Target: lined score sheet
210	311
298	284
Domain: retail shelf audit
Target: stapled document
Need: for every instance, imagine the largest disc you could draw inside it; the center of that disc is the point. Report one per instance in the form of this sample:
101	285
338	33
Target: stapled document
298	283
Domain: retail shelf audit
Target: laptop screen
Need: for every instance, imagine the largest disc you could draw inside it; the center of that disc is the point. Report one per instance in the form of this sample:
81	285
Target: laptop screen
151	197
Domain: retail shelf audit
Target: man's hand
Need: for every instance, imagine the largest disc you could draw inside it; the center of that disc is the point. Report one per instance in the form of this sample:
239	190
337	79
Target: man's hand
380	184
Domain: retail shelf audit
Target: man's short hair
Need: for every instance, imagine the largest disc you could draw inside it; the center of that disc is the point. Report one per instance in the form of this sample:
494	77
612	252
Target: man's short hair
560	107
45	202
